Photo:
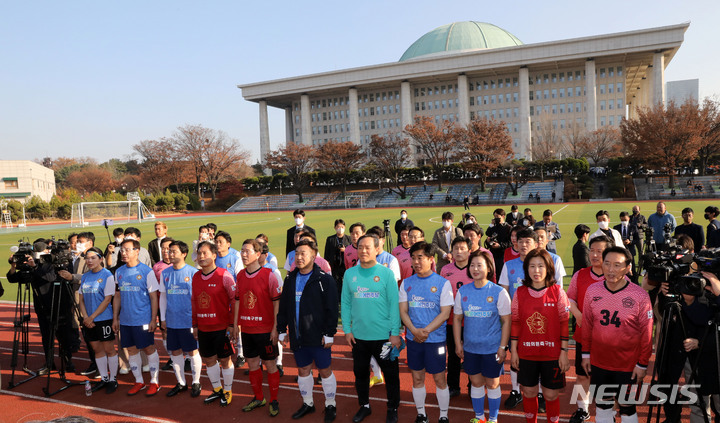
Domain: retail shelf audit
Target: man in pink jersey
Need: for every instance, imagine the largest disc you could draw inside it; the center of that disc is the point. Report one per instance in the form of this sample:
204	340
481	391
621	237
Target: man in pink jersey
350	255
617	335
402	253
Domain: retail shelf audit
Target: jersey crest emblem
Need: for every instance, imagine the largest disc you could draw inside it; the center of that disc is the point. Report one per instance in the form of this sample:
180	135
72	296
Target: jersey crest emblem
99	280
250	300
227	265
204	300
536	323
139	277
628	302
376	278
187	278
490	300
433	289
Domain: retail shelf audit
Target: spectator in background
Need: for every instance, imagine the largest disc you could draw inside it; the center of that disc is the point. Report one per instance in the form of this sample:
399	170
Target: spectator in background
527	220
154	246
693	230
402	253
203	235
603	220
402	223
514	216
299	216
713	238
580	251
498	238
639	222
552	229
335	252
628	234
442	239
657	221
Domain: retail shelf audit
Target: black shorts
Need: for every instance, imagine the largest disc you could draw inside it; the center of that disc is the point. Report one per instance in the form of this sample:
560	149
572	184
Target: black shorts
258	344
546	372
101	332
611	379
578	360
215	343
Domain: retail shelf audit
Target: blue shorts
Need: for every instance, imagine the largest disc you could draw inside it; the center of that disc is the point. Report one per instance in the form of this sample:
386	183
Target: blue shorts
135	336
181	339
426	356
485	364
304	356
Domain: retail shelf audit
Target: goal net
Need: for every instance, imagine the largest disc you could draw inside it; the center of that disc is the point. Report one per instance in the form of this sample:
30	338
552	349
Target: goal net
354	201
94	213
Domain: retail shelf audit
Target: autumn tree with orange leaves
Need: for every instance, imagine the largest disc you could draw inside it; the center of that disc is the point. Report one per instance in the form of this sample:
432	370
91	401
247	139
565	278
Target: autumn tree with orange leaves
435	144
340	159
482	147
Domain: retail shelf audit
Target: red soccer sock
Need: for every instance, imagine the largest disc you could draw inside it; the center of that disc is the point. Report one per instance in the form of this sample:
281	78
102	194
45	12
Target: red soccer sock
274	384
530	407
552	410
256	378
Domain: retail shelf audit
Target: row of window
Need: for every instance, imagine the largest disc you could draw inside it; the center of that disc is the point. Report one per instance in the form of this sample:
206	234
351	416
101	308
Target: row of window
492	99
437	90
437	104
499	83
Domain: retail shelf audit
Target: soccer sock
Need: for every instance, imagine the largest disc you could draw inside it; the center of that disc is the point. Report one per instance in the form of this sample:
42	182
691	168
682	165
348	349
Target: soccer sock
583	401
305	384
256	378
530	407
102	367
178	364
375	367
227	377
604	415
136	367
419	398
213	373
238	345
280	352
329	386
629	419
513	381
494	396
113	366
274	385
196	366
539	389
552	410
443	397
477	396
154	363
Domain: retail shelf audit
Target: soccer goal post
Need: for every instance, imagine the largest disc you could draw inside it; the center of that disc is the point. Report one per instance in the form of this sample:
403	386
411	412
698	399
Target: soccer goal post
354	201
93	213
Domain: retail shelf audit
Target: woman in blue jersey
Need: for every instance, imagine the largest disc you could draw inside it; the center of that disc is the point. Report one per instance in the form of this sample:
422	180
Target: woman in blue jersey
483	312
97	287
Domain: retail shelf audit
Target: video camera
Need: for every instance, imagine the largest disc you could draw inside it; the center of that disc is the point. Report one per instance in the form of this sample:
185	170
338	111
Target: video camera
20	256
674	267
60	255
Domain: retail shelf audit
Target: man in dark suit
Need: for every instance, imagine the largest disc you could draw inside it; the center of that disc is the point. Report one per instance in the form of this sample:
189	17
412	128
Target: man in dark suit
154	245
442	240
299	216
335	252
693	230
402	223
628	233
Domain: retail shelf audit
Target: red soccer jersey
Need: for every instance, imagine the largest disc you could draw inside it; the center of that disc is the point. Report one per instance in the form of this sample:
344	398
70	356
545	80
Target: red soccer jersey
540	322
580	282
350	256
402	254
617	327
256	292
510	254
212	296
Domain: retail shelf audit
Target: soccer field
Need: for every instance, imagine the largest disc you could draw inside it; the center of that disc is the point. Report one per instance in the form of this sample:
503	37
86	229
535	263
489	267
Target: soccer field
275	225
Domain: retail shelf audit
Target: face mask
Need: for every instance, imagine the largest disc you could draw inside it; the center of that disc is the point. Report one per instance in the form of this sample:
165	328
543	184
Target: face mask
707	216
129	237
298	221
118	240
80	246
603	225
204	236
340	231
625	223
515	214
403	216
447	224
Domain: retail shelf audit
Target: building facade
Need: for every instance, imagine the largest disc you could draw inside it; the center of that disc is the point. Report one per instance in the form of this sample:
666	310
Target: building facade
471	70
21	179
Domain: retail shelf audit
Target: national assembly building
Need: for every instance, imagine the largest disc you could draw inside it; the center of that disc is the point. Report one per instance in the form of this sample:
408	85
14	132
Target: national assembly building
469	70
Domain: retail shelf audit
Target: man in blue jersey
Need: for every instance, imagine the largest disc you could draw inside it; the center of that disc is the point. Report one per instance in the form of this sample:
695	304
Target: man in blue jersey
135	314
383	257
511	279
426	300
176	318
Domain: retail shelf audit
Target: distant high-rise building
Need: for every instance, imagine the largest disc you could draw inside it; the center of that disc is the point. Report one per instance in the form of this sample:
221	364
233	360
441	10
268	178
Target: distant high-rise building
681	91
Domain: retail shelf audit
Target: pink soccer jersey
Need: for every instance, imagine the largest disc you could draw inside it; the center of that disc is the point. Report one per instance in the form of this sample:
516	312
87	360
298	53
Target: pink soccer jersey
404	260
350	256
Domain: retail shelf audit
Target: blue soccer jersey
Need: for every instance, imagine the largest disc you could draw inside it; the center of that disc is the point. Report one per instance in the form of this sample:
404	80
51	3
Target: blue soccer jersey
391	262
135	285
512	275
177	286
481	309
94	287
425	296
231	262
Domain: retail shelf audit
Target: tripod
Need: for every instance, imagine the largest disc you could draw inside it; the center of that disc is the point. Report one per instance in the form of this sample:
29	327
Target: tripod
60	288
648	247
21	328
712	328
388	237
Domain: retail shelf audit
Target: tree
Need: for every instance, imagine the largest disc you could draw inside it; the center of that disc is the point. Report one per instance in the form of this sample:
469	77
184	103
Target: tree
603	144
574	141
391	155
483	146
664	137
710	144
91	179
297	161
221	159
340	158
546	146
436	145
156	164
189	140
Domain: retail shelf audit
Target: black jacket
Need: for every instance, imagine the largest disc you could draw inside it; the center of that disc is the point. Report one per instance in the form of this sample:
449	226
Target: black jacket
290	239
318	309
333	254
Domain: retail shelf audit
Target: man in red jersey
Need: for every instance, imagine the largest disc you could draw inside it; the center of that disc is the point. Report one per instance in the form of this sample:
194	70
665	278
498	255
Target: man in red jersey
581	280
402	253
256	307
213	289
617	318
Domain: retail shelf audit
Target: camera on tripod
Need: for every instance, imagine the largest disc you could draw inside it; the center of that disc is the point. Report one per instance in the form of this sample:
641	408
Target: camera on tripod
60	255
674	267
20	256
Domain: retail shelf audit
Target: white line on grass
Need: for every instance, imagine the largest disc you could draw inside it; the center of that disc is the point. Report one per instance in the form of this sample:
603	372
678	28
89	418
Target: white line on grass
563	208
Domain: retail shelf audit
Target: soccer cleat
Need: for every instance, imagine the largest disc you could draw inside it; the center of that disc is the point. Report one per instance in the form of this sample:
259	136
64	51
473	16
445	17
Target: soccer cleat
168	365
176	390
226	399
513	400
216	394
280	369
98	386
541	403
274	408
111	387
330	413
195	390
136	388
303	410
477	420
239	361
255	403
421	418
579	416
443	420
376	381
153	389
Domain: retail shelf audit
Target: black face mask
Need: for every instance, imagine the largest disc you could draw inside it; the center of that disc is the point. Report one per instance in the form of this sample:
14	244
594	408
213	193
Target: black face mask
707	216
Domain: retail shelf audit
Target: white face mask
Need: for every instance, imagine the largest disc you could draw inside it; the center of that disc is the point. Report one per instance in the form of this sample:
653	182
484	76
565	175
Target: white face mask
298	221
515	214
604	225
625	222
81	246
118	240
340	231
447	224
129	237
403	216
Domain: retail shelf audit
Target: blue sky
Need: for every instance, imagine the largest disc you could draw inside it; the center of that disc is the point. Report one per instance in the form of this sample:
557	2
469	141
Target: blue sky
92	78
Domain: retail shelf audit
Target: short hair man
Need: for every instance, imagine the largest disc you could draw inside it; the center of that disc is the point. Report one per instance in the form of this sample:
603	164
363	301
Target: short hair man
115	260
603	221
552	229
693	230
580	251
425	318
402	252
350	255
543	236
335	246
227	258
402	223
299	217
442	239
310	296
154	247
383	257
498	238
658	221
514	217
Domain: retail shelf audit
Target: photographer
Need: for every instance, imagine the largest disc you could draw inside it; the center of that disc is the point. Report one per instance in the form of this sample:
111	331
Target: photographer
38	269
498	238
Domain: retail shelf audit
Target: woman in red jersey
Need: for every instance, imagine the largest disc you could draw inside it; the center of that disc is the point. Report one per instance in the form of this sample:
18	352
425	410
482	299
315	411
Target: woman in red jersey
539	335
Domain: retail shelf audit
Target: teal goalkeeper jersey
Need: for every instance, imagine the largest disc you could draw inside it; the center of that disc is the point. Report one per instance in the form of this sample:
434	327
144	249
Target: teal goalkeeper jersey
370	308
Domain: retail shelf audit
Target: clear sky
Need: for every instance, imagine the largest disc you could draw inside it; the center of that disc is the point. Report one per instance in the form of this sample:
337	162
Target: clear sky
92	78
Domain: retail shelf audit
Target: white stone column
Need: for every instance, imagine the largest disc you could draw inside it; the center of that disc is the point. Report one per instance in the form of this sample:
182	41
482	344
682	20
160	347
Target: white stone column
306	126
289	130
463	100
406	110
525	143
658	79
591	95
354	118
264	135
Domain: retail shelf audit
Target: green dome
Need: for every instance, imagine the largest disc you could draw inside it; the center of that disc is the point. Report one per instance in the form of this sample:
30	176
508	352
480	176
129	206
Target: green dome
460	36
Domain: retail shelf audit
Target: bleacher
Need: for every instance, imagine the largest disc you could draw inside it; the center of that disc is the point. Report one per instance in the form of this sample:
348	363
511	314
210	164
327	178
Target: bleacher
544	189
